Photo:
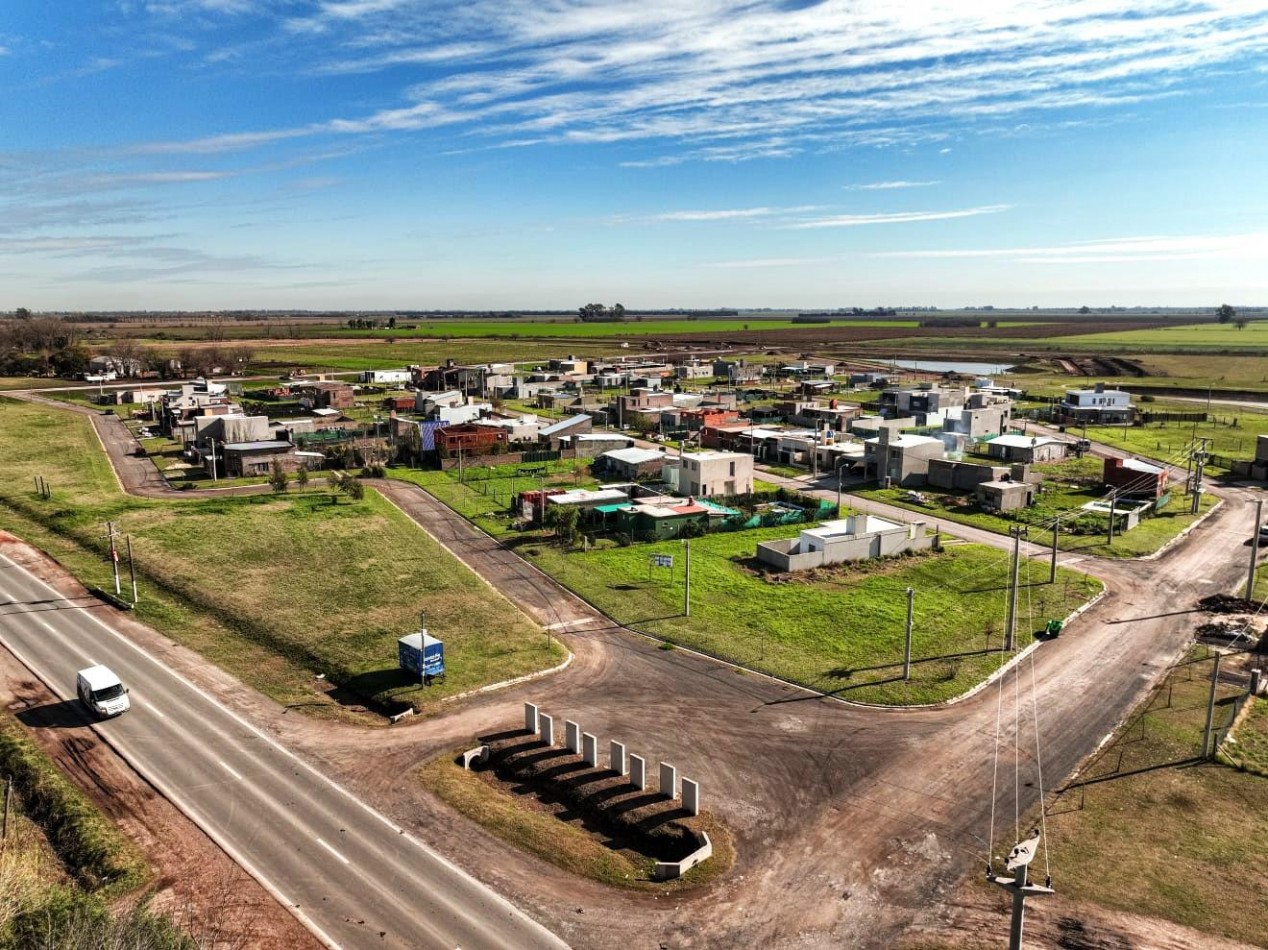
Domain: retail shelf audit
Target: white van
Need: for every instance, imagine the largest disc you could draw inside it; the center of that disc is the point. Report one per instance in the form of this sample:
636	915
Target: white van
101	691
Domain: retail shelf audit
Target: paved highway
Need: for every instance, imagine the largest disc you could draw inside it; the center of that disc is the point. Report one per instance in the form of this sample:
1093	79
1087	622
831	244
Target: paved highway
349	873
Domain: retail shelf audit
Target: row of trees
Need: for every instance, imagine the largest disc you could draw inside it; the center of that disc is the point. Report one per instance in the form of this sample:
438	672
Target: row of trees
598	313
365	323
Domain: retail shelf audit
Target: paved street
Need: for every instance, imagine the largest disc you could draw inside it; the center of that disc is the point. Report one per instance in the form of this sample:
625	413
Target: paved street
356	877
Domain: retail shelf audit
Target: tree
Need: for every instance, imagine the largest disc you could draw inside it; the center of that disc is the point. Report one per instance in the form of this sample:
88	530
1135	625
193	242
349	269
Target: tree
563	519
301	476
1225	312
353	488
1240	323
22	313
278	479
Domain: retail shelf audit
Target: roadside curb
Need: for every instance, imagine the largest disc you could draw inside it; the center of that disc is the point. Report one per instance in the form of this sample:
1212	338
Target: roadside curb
526	678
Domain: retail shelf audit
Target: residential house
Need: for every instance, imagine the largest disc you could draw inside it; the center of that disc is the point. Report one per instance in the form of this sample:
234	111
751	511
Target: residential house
855	538
921	403
594	444
1027	448
736	371
1135	477
324	394
469	439
573	425
705	474
629	465
659	518
246	459
469	380
693	369
964	476
900	459
1099	406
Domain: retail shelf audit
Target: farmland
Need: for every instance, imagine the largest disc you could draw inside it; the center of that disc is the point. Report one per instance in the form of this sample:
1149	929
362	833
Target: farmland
273	589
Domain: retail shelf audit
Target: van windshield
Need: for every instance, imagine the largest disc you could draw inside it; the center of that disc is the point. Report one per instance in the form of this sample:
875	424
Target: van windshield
109	693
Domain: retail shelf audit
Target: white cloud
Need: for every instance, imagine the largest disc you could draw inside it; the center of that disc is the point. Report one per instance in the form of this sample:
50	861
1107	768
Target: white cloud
751	78
896	217
889	185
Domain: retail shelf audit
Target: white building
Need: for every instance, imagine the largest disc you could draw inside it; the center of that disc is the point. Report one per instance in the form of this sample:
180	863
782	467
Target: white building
705	474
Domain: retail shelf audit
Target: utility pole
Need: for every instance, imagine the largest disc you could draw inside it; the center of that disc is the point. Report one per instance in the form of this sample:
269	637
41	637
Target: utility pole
1011	628
1197	479
4	829
838	488
686	575
114	555
1019	886
1113	509
1052	568
911	596
132	569
1254	549
1207	751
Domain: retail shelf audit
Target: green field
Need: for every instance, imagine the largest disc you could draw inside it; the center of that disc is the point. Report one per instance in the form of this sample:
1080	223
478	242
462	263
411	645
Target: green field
1210	335
632	328
1186	829
275	590
1231	432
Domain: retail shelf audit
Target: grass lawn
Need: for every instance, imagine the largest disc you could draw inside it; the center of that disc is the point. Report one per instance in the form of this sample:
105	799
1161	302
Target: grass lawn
838	630
1232	432
1191	834
273	589
1146	538
567	326
1210	335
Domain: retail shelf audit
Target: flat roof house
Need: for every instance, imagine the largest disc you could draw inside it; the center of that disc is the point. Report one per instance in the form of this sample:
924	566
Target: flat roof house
629	465
900	459
1135	477
1004	496
1027	448
705	474
849	539
1099	406
245	459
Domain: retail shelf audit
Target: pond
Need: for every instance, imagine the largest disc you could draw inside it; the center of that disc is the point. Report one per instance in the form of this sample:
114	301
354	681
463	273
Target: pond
954	366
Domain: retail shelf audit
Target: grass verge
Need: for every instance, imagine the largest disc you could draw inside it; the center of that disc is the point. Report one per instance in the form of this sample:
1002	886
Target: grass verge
93	852
1191	832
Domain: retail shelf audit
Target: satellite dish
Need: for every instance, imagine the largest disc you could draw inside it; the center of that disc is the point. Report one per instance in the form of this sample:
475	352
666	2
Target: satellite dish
1023	854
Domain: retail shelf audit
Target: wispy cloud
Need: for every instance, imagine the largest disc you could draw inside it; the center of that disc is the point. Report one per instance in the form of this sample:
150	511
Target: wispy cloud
895	217
735	80
891	185
771	262
1113	250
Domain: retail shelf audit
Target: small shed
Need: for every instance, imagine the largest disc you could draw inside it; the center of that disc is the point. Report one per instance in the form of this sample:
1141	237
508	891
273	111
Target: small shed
1004	496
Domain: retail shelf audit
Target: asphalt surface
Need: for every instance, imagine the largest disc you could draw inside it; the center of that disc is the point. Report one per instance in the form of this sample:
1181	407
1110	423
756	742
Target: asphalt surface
352	875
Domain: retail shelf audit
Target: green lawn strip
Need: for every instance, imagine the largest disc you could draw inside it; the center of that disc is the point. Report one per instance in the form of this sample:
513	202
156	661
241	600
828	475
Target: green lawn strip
274	589
1084	534
1188	832
29	382
838	630
526	823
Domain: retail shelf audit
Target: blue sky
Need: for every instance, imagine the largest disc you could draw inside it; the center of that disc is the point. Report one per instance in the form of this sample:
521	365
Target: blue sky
173	154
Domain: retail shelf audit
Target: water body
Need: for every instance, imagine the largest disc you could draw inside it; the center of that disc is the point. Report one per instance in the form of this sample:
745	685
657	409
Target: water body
954	366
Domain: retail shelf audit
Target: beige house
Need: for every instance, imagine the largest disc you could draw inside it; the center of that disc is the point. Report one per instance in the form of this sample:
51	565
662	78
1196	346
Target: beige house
705	474
850	539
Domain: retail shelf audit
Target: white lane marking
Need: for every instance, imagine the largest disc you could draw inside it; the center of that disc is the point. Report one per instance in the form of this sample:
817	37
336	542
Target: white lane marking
224	765
169	792
480	889
333	851
155	710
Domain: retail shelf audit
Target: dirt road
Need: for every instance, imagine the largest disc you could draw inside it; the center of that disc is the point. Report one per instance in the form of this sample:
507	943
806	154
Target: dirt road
850	822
